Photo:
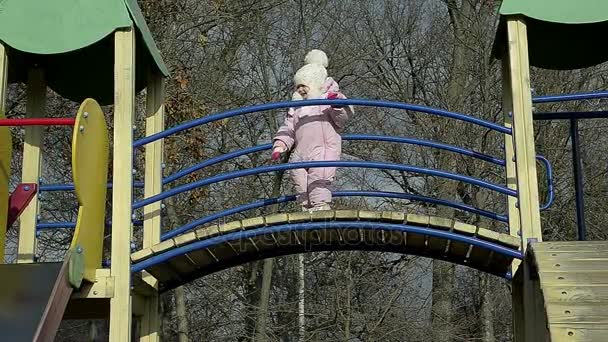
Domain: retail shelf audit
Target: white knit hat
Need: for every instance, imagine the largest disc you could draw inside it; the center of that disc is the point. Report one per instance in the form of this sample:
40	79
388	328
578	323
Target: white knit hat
312	76
316	57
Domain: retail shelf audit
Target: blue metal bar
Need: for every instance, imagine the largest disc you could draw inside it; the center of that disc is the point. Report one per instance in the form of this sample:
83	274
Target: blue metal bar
570	97
550	189
304	103
70	186
350	137
347	193
305	165
72	225
246	234
427	143
215	160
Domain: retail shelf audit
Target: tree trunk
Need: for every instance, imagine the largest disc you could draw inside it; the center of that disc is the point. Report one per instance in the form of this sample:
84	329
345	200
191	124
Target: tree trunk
178	293
182	319
262	316
487	305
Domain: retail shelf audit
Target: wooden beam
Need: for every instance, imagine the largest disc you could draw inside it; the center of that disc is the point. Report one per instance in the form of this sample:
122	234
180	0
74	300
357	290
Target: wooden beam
5	151
122	230
155	122
523	131
32	162
510	168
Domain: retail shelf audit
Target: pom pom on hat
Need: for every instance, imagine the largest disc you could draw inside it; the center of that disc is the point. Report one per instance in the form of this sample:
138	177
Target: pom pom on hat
316	57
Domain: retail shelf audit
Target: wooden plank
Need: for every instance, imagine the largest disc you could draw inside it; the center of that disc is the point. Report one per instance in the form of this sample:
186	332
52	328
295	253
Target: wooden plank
570	312
155	122
297	217
141	255
346	215
439	245
575	293
32	161
254	222
124	110
276	219
461	249
102	287
565	265
163	246
574	278
230	227
185	239
393	217
366	215
578	332
5	149
207	232
523	131
510	167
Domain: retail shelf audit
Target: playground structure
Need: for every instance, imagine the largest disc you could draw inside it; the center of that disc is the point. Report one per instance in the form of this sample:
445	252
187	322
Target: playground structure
558	287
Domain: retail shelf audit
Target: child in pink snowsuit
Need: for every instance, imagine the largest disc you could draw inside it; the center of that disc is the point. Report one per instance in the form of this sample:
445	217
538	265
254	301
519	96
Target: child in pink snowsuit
312	133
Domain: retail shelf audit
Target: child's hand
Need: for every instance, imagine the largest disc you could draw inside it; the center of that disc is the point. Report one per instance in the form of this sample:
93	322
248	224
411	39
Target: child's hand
334	96
278	148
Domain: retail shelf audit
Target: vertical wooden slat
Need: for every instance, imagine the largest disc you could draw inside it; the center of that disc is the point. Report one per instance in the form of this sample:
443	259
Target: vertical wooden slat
510	168
32	160
124	109
523	131
150	327
6	137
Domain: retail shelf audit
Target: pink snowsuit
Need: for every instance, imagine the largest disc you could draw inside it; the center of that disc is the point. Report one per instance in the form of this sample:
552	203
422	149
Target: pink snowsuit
313	133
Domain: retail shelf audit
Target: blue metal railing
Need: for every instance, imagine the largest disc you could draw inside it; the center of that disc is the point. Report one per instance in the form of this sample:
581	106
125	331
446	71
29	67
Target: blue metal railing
571	97
349	193
304	103
305	165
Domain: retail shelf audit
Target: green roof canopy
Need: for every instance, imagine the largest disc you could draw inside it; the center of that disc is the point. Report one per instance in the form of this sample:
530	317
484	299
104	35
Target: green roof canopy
562	34
73	41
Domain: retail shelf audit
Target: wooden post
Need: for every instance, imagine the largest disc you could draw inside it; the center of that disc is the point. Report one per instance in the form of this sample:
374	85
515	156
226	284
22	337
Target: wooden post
32	162
523	131
5	177
510	167
155	122
122	231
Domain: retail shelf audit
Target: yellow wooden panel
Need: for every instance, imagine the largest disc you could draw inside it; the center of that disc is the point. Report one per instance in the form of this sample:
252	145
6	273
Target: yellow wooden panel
253	222
418	220
185	239
350	215
32	161
90	172
275	219
370	215
141	254
163	246
302	216
575	265
122	231
569	332
323	215
207	232
230	226
6	149
571	312
574	278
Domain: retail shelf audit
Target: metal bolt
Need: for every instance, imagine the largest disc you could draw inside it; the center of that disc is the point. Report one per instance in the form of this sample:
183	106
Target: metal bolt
38	233
519	233
38	217
85	115
95	292
134	127
133	216
533	109
163	165
26	188
517	204
510	114
532	90
162	205
513	158
133	171
79	250
81	128
133	245
40	180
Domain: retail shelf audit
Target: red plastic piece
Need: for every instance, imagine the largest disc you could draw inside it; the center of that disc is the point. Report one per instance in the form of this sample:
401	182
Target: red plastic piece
18	200
38	122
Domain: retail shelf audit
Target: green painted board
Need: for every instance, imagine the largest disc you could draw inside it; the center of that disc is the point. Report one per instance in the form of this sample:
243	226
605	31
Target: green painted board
50	27
559	11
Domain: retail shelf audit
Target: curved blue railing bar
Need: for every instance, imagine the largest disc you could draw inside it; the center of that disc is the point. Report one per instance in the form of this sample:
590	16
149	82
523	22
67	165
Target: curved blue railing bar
349	137
347	193
550	189
72	225
571	97
215	160
70	186
304	103
241	235
305	165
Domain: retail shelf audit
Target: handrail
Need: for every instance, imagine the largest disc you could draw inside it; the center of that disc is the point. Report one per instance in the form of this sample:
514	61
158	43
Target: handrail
347	193
304	165
550	189
287	104
348	137
571	97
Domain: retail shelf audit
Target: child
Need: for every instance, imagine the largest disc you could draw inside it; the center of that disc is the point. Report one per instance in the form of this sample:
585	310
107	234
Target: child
312	133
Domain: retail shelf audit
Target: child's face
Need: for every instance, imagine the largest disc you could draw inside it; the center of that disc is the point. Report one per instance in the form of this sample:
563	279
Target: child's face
302	90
